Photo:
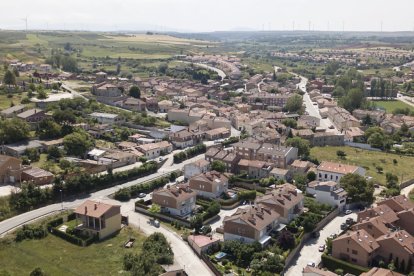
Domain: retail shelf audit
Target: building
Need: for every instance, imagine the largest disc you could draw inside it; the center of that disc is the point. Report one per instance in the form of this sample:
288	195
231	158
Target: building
279	155
134	104
51	99
280	174
201	243
12	111
285	199
217	133
328	192
37	176
301	167
376	271
10	169
322	139
99	218
357	247
342	119
107	90
107	118
314	271
154	150
253	223
329	171
18	149
182	139
254	168
34	115
209	184
196	168
177	200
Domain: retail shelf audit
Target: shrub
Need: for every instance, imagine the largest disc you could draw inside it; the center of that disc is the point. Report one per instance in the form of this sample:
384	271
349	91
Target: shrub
29	232
332	264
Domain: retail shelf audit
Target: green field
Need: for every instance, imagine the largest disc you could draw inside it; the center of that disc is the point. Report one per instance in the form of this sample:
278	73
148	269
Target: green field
369	160
59	257
390	106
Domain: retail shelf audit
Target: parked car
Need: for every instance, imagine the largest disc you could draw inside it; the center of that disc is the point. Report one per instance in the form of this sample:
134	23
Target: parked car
331	127
315	234
142	195
344	226
156	223
333	236
322	248
312	264
160	159
347	212
349	221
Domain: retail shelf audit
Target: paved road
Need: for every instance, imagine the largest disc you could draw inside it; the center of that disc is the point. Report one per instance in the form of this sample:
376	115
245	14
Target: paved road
16	221
309	252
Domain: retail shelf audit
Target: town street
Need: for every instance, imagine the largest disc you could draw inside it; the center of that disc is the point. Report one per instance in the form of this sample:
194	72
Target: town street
310	252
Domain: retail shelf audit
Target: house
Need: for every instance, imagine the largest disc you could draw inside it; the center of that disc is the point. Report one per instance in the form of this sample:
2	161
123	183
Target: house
182	139
52	99
37	176
154	150
18	149
107	118
209	184
253	223
375	226
357	247
330	171
353	134
314	271
12	111
217	133
195	168
201	243
342	119
328	192
246	150
165	106
211	153
398	203
280	174
254	168
376	271
10	169
34	115
376	116
107	90
134	104
301	167
279	155
322	139
100	219
177	200
285	199
121	158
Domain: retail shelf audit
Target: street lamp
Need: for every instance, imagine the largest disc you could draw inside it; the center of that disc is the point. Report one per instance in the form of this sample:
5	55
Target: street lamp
61	199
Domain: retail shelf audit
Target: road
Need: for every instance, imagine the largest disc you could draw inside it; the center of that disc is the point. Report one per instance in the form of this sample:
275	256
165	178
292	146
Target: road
311	108
309	252
18	220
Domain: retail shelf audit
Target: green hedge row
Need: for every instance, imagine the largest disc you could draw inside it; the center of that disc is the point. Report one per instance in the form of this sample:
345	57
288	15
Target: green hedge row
126	194
332	264
189	153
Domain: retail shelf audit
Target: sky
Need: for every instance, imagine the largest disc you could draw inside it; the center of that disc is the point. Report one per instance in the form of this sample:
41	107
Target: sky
208	15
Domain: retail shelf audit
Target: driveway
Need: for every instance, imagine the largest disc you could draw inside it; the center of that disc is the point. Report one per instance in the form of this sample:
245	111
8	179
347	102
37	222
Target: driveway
183	254
309	252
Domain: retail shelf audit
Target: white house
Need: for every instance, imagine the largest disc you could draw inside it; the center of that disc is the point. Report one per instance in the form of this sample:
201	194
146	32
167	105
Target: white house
198	167
107	118
329	171
154	150
328	192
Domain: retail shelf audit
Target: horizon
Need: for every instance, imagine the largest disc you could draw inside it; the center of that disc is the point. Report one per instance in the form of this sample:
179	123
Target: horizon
168	16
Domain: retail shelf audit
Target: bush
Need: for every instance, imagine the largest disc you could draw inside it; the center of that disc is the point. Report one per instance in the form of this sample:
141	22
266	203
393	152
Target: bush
30	232
126	194
332	264
189	153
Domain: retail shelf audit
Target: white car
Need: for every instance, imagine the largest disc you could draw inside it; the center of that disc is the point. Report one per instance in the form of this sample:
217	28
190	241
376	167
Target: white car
312	264
347	212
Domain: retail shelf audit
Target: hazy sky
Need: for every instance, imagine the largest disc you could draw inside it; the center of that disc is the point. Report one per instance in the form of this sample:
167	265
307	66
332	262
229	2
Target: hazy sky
209	15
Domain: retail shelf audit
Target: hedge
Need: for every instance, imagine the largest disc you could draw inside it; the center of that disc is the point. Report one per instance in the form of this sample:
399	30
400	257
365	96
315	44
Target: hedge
126	194
54	223
189	153
332	264
72	238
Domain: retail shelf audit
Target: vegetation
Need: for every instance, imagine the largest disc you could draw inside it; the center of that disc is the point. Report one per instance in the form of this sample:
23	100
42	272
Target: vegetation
189	153
332	263
358	188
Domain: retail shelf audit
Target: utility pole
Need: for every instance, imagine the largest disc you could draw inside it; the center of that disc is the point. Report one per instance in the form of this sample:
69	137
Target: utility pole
293	26
343	26
309	26
25	21
381	26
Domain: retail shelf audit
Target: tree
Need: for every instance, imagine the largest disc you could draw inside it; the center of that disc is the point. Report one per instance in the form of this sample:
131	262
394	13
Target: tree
294	103
218	165
155	209
13	130
9	78
37	272
341	154
286	240
54	153
376	140
289	122
49	129
78	143
358	189
302	145
311	176
135	92
162	68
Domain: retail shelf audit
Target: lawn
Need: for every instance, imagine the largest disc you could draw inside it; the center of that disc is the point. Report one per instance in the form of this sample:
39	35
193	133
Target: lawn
59	257
7	99
390	106
369	160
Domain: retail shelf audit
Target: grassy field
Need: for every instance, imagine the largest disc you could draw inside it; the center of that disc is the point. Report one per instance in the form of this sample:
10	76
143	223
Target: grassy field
369	160
390	106
59	257
6	100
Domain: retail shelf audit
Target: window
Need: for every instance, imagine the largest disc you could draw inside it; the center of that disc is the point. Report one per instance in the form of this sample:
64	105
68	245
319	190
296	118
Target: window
326	176
353	260
354	252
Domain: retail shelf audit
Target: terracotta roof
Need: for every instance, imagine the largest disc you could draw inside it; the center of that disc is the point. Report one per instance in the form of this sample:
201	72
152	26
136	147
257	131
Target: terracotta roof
201	240
318	272
257	216
361	237
383	211
151	146
285	195
402	238
93	209
337	167
376	271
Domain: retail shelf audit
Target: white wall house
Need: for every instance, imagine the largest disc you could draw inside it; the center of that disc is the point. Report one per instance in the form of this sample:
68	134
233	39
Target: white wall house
329	193
329	171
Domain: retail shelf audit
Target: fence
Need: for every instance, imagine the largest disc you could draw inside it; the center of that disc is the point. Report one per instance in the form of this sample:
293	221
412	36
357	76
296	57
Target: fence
162	217
407	183
210	265
361	146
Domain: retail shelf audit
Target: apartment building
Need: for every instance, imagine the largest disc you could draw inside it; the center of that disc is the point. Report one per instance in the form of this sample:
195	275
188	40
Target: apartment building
178	200
209	184
330	171
328	192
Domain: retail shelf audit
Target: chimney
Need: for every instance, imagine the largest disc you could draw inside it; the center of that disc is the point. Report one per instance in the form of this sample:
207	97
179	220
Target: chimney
95	206
86	210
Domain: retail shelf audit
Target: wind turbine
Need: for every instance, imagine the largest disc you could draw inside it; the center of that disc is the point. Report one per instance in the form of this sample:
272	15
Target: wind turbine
25	21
